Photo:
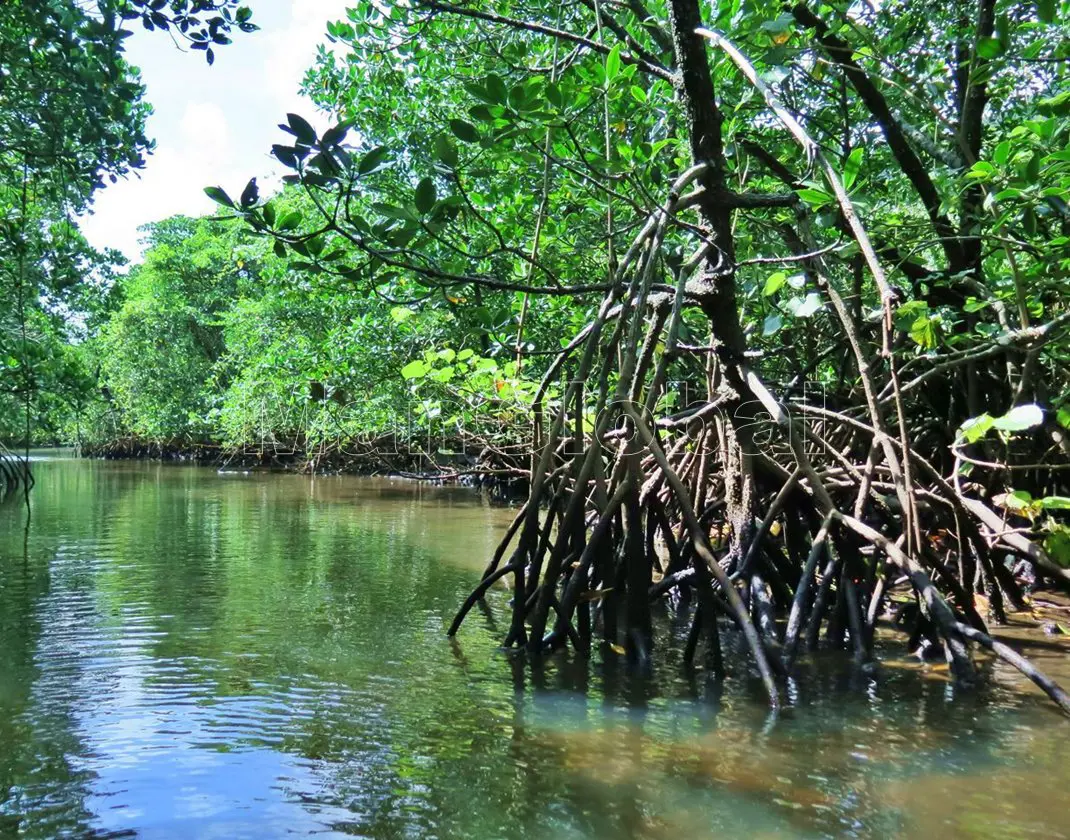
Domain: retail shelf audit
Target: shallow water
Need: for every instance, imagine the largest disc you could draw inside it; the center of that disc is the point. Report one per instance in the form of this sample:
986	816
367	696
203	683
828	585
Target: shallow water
184	654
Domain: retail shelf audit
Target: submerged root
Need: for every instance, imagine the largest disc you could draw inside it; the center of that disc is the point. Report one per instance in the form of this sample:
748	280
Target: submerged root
16	476
590	555
747	504
738	508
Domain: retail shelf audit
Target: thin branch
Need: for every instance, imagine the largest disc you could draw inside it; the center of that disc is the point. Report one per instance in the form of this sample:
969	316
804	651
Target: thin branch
594	46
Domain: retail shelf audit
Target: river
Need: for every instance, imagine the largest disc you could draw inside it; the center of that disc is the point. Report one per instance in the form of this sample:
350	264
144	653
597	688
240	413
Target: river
191	655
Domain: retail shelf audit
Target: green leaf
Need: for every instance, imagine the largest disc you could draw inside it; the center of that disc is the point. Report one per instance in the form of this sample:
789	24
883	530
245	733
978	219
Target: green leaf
441	374
982	171
989	48
287	155
817	198
976	428
334	136
372	160
638	94
250	195
1046	10
464	131
497	93
302	129
772	323
852	167
1020	418
480	92
1002	153
391	211
1062	416
1057	544
1003	31
909	312
290	221
446	151
1029	221
779	24
1031	170
613	63
1019	500
426	196
219	196
1055	503
415	369
923	331
773	283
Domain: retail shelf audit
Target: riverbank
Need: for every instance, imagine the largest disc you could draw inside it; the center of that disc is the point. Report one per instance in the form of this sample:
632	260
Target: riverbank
497	473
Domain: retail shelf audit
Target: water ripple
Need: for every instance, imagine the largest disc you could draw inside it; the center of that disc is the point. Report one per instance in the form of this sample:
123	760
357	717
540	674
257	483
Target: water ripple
182	656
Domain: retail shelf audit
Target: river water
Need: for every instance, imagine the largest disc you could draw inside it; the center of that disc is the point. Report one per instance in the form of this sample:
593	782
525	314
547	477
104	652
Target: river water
192	655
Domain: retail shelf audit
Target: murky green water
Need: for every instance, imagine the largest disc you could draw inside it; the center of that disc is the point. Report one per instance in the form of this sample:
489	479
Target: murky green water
184	654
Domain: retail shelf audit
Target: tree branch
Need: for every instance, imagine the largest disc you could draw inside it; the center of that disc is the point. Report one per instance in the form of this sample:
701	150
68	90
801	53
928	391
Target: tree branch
909	162
627	57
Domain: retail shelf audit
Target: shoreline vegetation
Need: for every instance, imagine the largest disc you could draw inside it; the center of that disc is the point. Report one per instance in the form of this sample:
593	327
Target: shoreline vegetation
1042	624
495	473
770	327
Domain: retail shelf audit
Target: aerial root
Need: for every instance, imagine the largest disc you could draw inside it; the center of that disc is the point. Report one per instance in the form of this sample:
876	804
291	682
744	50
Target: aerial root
612	536
736	507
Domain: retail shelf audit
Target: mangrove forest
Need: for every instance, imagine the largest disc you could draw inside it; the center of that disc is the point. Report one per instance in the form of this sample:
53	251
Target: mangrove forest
626	350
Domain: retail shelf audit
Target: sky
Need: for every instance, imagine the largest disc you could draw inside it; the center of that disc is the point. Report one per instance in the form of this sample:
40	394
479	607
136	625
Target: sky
214	126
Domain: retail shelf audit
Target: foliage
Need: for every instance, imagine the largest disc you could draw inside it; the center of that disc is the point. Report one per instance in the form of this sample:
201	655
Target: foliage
845	225
873	198
215	338
72	118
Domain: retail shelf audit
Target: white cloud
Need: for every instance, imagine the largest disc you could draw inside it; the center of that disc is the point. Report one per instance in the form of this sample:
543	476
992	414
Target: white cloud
205	134
292	50
199	154
213	126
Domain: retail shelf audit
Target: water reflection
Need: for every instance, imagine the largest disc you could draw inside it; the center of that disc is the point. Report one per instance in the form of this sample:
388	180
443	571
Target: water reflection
186	654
